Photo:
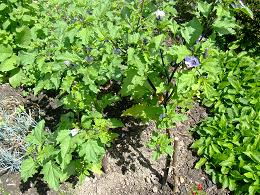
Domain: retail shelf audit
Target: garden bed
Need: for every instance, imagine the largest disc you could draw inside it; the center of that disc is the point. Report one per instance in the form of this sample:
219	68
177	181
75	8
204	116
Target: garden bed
128	167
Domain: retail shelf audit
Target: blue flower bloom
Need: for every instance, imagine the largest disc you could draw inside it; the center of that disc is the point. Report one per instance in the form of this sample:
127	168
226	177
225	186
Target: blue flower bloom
117	51
88	49
162	116
89	59
191	61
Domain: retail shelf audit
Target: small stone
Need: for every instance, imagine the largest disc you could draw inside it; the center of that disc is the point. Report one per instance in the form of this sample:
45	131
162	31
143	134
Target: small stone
155	189
182	180
87	179
147	180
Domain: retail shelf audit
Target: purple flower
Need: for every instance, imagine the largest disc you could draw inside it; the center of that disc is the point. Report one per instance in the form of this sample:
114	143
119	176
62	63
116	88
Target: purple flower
89	59
162	116
191	61
88	49
117	51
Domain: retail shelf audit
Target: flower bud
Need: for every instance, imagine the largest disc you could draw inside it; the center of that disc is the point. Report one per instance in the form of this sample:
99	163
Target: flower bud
74	132
160	14
67	62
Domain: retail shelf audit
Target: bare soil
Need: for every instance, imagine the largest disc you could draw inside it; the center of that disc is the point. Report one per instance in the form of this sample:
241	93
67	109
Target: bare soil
128	166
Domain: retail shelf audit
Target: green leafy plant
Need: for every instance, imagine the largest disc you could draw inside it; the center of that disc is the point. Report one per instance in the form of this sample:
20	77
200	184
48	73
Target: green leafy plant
94	54
229	139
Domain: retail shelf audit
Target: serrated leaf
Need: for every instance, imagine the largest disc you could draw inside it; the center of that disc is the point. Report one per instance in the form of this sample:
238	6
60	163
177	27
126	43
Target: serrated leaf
52	173
225	23
37	135
192	31
181	51
64	139
92	151
157	40
144	112
185	82
204	8
28	168
46	152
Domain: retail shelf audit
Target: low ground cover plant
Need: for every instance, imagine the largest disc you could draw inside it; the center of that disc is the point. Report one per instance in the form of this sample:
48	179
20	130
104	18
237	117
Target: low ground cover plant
96	54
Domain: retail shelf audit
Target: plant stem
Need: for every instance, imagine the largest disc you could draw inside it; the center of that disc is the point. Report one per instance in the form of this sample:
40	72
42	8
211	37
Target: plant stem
141	15
151	84
163	63
173	72
167	164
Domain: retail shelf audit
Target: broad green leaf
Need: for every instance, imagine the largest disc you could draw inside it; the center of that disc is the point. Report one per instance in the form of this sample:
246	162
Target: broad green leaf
225	181
66	83
116	123
73	58
144	112
253	189
192	31
156	155
245	10
37	136
9	64
92	151
3	6
223	122
157	40
181	51
234	82
229	161
5	52
46	152
23	36
28	168
209	91
64	139
52	174
96	168
225	23
204	8
16	78
185	82
27	58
